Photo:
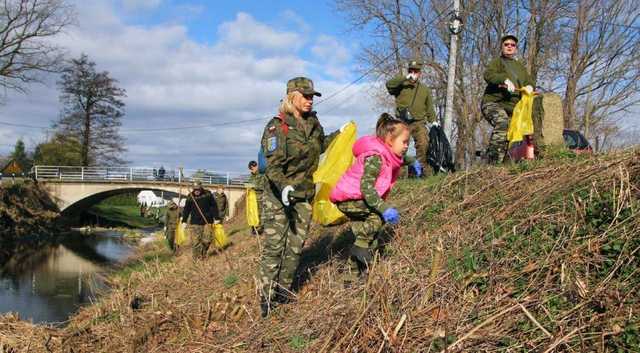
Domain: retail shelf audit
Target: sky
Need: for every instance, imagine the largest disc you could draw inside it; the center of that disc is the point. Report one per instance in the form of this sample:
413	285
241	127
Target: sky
194	62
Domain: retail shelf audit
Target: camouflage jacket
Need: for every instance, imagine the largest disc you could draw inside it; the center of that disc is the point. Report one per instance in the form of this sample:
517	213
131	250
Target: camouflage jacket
416	97
292	149
257	182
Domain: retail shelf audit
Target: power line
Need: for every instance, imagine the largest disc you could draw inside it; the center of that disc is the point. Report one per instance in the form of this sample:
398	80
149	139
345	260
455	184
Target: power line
384	59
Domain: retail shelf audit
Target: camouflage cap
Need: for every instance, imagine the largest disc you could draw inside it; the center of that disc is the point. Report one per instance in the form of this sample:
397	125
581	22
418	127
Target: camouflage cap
509	36
302	85
415	65
197	183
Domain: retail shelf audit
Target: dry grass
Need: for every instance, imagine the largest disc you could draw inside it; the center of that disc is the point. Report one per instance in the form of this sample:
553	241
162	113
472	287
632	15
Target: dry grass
538	257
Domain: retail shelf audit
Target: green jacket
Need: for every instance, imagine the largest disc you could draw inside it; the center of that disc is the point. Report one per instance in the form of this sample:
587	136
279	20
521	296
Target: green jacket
258	182
171	217
496	72
222	204
414	96
292	149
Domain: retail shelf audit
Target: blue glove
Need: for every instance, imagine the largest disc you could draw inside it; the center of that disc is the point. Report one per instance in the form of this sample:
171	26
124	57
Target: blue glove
391	215
417	168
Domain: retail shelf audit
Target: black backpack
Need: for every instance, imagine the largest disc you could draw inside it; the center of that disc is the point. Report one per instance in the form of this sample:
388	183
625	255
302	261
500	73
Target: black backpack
439	155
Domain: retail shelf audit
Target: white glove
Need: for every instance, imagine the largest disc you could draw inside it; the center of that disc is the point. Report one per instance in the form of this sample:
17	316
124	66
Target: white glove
184	225
215	221
344	126
528	89
412	76
510	86
285	194
165	228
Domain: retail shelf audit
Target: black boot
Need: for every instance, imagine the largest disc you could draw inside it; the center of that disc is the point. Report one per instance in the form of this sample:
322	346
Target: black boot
363	257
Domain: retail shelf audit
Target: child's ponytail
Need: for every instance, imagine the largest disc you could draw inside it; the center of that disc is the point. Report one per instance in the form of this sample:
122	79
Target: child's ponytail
389	126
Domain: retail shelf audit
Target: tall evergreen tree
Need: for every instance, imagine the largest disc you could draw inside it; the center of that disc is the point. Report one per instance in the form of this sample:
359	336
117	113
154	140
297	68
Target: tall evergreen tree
20	155
92	109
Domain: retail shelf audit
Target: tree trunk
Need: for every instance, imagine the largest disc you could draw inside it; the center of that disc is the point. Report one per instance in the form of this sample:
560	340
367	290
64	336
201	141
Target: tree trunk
86	138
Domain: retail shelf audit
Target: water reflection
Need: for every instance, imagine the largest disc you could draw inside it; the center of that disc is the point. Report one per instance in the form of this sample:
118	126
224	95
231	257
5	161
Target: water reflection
53	281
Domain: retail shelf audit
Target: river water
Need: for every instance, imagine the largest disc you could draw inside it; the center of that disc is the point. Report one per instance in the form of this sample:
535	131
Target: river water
51	283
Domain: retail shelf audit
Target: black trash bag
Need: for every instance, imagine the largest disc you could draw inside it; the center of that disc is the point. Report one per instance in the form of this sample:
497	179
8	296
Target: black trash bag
439	155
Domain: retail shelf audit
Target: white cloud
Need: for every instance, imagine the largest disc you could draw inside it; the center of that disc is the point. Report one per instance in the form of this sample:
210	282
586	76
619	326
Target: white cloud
246	32
333	54
172	81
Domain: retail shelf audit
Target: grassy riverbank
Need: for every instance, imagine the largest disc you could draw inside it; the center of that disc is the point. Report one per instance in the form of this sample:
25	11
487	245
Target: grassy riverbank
124	211
537	257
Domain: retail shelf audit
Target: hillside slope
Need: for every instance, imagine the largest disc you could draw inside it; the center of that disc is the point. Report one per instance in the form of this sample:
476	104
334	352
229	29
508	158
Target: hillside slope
536	257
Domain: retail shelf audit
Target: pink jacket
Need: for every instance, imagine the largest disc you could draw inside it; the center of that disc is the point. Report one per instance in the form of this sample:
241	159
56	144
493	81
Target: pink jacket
348	187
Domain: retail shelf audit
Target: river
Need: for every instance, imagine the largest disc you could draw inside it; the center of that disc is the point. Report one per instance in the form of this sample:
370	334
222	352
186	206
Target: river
50	284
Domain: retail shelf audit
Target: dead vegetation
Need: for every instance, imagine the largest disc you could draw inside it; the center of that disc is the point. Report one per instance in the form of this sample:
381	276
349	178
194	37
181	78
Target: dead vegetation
536	257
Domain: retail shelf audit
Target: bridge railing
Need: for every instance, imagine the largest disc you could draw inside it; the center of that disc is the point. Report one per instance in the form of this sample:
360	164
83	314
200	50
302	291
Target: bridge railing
108	174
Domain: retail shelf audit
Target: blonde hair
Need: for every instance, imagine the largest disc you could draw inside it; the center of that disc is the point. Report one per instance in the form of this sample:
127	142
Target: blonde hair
286	106
388	126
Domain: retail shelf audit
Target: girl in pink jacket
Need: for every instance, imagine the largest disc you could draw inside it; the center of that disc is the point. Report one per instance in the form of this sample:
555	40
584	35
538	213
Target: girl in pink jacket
361	192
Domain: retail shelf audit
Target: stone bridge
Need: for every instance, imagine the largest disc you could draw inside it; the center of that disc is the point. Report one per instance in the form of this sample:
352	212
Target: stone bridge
75	189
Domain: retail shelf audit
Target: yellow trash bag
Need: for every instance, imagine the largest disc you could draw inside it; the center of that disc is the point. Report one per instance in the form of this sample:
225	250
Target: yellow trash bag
521	121
220	239
181	235
337	159
253	217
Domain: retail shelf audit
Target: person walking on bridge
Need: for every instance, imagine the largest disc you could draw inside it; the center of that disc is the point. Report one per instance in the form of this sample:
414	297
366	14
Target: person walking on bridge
222	203
200	211
292	143
504	76
414	106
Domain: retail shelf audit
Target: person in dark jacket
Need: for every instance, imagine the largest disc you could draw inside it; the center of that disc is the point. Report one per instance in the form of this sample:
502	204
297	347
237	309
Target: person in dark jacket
200	211
506	76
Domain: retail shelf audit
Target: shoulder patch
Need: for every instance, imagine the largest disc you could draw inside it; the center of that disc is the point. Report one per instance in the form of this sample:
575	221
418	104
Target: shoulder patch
272	144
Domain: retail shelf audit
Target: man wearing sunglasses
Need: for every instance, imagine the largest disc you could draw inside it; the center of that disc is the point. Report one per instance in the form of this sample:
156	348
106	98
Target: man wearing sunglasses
506	76
414	105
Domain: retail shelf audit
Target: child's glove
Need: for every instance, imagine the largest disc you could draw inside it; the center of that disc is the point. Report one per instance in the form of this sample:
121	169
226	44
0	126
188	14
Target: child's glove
417	168
391	215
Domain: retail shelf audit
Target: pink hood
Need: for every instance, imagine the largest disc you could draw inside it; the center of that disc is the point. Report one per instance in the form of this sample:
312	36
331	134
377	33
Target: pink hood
348	187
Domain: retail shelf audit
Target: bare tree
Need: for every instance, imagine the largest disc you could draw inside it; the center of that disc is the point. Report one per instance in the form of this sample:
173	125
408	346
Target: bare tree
92	112
26	27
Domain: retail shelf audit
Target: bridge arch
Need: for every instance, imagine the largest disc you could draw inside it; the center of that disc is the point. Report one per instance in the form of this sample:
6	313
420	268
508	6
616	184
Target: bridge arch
74	197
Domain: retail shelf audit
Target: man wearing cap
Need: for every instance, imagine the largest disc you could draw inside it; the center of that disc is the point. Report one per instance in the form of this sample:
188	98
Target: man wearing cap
200	211
414	104
505	77
292	143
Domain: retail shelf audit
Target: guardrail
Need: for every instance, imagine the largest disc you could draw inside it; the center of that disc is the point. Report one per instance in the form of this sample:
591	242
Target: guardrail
109	174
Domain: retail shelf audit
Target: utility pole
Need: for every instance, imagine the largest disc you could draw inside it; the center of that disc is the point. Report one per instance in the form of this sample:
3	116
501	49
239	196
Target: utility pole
455	27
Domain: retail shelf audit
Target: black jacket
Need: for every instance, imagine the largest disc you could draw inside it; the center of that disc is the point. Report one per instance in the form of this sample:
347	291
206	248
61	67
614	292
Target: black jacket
207	205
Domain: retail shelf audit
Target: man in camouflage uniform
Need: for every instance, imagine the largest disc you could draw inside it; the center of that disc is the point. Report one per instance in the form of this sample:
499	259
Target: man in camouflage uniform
171	219
200	211
292	142
222	203
258	182
414	105
504	76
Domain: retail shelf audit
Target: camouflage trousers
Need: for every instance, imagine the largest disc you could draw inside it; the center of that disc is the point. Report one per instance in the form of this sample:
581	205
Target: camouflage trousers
285	230
366	225
201	236
420	135
498	117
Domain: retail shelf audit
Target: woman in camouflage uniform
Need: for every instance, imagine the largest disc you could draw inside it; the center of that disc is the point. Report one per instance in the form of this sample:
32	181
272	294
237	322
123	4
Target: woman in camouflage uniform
504	75
292	142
